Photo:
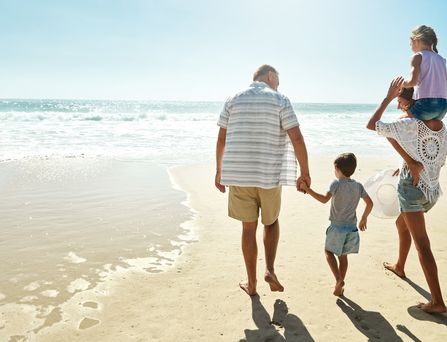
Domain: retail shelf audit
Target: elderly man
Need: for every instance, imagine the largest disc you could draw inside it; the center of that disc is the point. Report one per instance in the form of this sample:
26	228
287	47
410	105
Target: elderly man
254	158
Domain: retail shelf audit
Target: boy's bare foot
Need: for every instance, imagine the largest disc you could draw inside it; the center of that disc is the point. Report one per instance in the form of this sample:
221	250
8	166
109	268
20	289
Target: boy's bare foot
393	268
251	291
432	308
273	281
339	288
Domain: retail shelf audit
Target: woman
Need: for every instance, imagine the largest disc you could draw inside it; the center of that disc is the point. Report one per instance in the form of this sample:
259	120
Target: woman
421	143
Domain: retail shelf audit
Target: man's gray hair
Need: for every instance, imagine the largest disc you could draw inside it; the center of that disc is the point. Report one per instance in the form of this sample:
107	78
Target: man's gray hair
263	70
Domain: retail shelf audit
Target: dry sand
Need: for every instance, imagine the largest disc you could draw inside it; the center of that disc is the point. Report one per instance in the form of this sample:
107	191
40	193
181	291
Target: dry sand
198	299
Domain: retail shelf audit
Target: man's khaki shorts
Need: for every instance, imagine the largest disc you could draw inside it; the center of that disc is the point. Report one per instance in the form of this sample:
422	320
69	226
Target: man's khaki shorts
244	204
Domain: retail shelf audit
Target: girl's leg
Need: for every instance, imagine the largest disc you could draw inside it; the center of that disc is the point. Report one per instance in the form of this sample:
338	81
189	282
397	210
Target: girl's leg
404	248
416	224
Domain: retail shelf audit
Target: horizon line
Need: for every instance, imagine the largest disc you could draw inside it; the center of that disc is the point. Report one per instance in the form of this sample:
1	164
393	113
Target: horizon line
165	100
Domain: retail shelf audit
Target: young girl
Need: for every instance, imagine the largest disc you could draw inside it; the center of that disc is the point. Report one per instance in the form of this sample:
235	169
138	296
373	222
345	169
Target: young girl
428	76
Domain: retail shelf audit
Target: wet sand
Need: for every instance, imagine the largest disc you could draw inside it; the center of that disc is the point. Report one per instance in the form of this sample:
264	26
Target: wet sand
198	298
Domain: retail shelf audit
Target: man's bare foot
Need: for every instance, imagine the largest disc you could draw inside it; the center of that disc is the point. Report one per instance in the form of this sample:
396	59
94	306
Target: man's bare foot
393	268
251	291
339	288
432	308
273	281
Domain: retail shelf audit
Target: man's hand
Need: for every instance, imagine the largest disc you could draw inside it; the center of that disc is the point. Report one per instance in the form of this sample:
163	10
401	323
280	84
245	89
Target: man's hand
303	179
219	186
302	187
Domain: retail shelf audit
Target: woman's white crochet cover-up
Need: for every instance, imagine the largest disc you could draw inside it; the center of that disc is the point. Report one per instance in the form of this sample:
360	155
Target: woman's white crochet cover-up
423	145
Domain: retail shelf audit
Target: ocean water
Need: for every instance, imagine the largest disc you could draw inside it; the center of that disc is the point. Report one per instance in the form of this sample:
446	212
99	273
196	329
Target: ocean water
86	190
168	133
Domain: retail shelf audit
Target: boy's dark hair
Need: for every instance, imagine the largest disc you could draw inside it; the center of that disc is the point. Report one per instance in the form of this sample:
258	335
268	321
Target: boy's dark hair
407	93
346	163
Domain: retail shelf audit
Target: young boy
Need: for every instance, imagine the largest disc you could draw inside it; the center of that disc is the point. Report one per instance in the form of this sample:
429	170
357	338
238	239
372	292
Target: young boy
342	237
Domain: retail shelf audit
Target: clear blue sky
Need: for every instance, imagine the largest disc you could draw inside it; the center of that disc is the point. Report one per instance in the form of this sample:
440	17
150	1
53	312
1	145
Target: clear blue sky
325	51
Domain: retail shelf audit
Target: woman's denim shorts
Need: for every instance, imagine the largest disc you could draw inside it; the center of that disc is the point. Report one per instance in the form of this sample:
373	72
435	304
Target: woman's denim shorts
411	198
428	109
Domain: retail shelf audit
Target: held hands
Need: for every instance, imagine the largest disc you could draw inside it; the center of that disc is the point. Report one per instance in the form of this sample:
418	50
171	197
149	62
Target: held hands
303	183
395	86
219	186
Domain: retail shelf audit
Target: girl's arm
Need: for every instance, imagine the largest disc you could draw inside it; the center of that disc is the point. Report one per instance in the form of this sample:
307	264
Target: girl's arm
393	92
414	73
366	212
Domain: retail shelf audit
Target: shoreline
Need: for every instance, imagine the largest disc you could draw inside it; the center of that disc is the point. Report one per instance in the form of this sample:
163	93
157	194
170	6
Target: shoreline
198	298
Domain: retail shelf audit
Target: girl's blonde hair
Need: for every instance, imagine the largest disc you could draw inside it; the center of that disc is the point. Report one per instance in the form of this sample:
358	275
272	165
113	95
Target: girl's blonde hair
427	35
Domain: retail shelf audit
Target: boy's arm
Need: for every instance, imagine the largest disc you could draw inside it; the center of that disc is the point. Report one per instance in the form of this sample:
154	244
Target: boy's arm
366	212
319	197
414	73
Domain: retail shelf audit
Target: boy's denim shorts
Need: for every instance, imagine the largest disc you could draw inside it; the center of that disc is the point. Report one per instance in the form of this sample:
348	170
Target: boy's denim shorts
411	198
342	239
428	109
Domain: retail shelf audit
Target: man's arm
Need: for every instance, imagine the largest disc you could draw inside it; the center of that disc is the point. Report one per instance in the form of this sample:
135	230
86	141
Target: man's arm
299	147
220	147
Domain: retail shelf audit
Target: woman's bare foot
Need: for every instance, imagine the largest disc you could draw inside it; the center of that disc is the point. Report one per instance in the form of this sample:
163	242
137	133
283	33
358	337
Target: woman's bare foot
432	308
339	288
273	281
250	290
393	268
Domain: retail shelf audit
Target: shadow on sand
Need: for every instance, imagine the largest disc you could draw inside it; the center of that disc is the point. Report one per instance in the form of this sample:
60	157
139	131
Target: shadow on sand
418	289
420	315
270	329
370	323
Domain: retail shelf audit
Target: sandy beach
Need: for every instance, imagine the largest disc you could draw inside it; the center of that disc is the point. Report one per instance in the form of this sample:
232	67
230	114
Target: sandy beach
198	298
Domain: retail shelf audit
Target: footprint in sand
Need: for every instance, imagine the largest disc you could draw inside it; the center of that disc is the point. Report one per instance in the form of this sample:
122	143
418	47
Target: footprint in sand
50	293
87	323
92	305
32	286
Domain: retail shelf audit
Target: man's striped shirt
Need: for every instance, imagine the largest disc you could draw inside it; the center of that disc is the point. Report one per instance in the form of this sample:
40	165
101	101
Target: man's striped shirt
258	151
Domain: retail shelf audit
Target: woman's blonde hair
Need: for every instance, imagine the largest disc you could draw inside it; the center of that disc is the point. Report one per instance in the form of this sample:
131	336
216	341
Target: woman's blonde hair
427	35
